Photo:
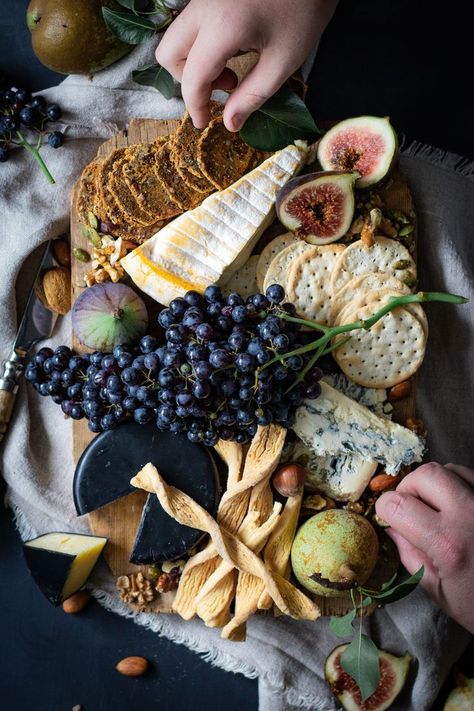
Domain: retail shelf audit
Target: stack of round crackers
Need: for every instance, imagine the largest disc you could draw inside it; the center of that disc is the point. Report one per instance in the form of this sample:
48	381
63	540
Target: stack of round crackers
135	190
336	285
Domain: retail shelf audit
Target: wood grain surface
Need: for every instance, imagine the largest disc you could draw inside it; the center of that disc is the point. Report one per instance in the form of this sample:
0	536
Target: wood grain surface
118	521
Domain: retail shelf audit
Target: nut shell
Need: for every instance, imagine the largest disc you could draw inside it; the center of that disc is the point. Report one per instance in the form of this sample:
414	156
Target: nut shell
132	666
57	289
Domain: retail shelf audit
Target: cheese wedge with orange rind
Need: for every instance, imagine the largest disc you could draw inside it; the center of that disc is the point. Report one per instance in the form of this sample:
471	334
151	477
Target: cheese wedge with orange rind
208	244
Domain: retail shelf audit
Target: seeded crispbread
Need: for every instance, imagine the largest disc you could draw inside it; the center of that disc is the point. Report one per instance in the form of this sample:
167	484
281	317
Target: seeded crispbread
270	251
140	174
388	353
244	280
186	139
222	156
88	188
385	255
200	184
124	197
377	298
308	284
278	270
363	283
185	196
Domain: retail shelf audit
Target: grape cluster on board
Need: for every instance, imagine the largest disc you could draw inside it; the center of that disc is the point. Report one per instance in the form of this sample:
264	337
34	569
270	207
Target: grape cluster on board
217	375
23	120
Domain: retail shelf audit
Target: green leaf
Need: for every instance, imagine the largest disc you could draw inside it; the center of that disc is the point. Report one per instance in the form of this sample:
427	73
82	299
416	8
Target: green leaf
361	661
280	121
404	588
342	626
130	28
135	5
388	584
157	76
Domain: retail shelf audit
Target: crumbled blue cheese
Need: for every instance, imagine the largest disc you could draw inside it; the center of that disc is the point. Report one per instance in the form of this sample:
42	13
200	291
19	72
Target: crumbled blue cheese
333	424
373	398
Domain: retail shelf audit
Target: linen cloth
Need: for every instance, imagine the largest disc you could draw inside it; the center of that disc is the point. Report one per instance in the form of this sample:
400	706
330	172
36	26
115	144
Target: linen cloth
287	656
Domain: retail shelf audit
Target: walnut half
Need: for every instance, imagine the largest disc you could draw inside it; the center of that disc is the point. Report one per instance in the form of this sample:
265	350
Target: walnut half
135	589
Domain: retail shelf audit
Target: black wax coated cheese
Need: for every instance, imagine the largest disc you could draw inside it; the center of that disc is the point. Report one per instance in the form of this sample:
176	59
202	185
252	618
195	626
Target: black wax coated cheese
49	570
105	468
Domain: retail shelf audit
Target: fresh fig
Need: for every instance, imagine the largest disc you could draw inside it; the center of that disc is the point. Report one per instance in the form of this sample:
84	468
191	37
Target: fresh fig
334	551
393	674
366	144
319	207
106	315
462	697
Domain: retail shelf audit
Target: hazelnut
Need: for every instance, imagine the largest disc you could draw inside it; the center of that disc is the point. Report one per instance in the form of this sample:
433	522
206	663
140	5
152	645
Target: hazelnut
62	252
289	479
132	666
76	602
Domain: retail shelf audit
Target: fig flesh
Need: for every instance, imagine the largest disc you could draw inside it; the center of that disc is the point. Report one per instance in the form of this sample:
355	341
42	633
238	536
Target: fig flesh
366	144
319	207
334	551
106	315
393	674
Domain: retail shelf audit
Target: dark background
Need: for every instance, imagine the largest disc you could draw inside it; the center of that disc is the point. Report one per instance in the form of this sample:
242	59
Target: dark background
408	60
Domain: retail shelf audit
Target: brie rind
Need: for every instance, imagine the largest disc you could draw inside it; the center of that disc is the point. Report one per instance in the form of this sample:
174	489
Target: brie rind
333	424
208	244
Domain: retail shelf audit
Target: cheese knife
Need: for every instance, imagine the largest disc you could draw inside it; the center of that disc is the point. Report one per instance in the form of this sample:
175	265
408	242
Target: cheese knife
36	325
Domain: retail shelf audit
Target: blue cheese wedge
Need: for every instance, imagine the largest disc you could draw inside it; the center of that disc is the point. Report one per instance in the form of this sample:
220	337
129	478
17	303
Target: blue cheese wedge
208	244
333	424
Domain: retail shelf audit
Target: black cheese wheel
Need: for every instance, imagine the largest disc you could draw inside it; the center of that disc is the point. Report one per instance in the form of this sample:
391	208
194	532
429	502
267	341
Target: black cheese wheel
106	466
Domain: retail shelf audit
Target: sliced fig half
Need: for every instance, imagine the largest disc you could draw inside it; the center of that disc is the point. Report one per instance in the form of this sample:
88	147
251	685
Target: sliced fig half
366	144
393	674
318	207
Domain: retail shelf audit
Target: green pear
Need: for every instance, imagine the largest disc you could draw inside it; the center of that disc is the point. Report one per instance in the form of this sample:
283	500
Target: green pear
71	37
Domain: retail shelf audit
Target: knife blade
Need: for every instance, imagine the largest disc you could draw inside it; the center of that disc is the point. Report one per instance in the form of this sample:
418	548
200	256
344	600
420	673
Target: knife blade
36	325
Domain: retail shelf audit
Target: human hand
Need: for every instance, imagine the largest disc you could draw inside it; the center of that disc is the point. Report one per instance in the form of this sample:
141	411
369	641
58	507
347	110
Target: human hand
207	33
431	514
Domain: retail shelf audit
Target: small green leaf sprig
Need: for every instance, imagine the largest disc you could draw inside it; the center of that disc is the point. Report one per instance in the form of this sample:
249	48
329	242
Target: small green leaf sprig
361	659
140	22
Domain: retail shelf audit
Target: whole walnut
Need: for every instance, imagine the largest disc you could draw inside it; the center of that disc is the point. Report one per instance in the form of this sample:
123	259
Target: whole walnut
57	289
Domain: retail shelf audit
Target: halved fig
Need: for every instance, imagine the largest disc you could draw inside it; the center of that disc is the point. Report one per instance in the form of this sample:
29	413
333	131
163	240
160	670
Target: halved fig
318	207
393	674
366	144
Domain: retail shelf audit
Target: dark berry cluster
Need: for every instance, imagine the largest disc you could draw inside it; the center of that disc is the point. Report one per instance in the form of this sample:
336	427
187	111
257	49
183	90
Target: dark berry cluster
23	120
226	366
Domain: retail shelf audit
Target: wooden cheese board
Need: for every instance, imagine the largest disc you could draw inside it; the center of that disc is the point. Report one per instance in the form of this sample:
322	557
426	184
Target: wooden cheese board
118	521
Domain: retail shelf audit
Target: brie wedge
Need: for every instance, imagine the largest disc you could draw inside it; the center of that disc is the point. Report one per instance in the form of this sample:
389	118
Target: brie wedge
208	244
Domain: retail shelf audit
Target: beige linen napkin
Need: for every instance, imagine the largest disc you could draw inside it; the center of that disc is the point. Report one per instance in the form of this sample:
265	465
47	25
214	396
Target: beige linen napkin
285	655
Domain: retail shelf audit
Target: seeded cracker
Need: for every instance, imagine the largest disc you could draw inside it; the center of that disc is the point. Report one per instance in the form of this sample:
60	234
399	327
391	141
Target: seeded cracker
122	193
88	189
388	353
309	286
185	196
140	175
186	139
222	155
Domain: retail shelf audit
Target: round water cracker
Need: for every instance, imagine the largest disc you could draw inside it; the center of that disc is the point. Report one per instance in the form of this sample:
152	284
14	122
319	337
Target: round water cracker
279	268
378	298
308	284
269	253
388	353
244	280
385	255
363	283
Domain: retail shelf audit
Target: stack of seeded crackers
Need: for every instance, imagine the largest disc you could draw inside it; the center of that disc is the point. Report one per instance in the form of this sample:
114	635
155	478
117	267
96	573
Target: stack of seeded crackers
135	190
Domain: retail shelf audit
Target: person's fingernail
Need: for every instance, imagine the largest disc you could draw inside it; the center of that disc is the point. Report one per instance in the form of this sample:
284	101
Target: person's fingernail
388	505
236	122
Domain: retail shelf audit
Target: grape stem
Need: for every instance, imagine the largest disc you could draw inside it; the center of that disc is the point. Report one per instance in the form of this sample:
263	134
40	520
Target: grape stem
34	150
319	345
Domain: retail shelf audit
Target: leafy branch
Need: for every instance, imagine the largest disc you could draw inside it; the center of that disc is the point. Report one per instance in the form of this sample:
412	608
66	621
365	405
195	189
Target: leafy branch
360	659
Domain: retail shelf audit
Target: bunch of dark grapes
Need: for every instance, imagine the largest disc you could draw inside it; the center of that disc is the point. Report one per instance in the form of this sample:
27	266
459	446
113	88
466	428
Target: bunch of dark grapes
23	120
227	366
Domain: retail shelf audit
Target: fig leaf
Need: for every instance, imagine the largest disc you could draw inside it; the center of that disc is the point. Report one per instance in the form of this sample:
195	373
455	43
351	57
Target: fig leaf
361	661
342	626
280	121
156	76
129	27
399	591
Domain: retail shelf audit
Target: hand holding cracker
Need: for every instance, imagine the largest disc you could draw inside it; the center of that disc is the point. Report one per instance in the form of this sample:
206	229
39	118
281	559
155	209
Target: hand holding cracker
196	47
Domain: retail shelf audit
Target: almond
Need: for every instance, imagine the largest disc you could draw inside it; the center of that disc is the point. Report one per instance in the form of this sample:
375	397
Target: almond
399	391
382	482
57	289
62	252
76	602
132	666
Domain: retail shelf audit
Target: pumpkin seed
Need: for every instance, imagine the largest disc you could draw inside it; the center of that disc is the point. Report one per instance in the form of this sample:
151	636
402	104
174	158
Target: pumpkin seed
81	254
402	264
93	221
406	230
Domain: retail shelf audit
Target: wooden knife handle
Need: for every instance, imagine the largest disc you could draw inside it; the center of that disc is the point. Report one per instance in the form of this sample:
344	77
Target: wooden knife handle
7	400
